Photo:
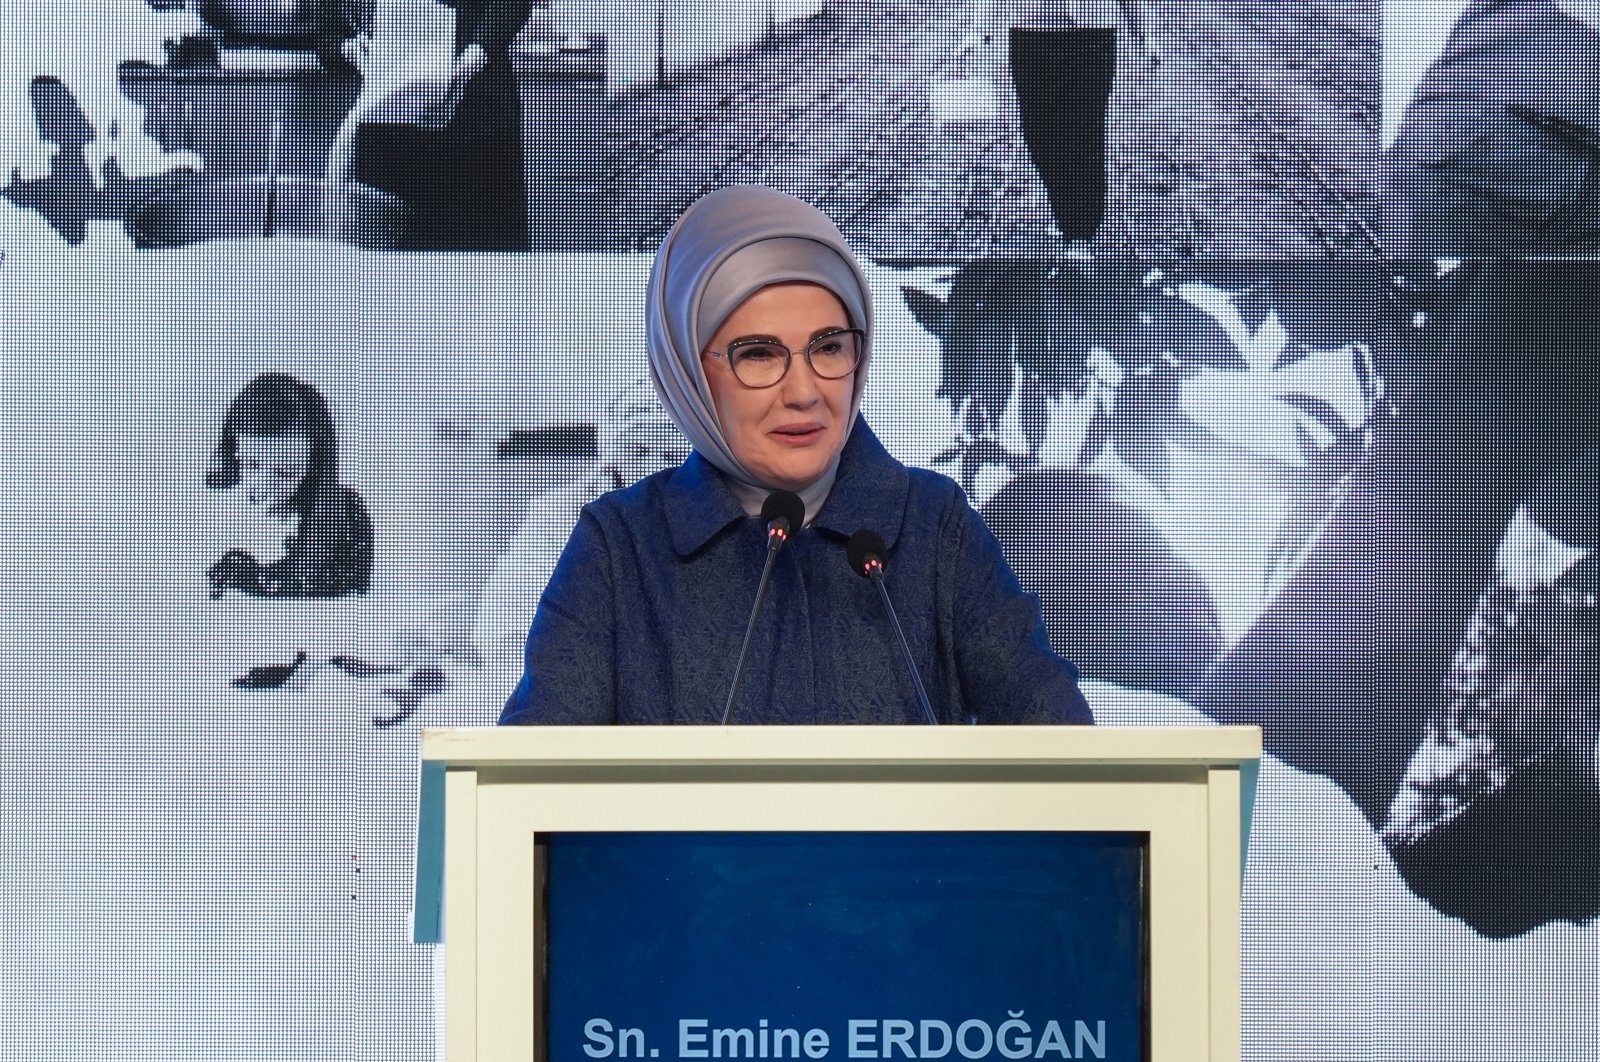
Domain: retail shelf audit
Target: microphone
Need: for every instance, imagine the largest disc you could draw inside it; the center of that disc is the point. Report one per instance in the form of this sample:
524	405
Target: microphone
865	551
784	513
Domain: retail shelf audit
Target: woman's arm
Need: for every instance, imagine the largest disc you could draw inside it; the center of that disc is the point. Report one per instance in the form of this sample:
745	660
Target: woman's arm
499	25
569	669
353	564
1009	672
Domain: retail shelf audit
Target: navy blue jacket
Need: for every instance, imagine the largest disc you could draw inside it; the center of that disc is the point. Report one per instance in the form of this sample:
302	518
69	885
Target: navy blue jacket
643	617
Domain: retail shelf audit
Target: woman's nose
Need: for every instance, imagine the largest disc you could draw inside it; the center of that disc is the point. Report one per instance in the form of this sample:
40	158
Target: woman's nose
800	384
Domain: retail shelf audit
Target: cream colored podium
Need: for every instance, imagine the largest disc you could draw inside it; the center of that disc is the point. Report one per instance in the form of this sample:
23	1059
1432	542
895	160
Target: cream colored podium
487	793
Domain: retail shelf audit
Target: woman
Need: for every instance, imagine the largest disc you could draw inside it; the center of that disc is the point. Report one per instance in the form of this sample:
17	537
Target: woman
759	323
278	448
459	162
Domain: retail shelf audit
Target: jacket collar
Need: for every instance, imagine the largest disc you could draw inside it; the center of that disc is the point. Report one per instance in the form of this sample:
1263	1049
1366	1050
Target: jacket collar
870	491
698	504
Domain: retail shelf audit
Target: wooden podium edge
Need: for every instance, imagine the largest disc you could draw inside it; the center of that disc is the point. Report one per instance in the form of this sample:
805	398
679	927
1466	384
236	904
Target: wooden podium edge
474	747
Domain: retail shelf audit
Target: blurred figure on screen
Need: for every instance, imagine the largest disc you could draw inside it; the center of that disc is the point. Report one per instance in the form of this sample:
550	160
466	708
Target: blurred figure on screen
1503	779
759	339
636	438
1499	150
1063	58
479	197
449	142
1434	652
295	534
1035	355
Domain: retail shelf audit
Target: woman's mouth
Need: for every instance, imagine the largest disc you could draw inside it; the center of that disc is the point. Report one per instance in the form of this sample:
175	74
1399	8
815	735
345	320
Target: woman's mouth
797	434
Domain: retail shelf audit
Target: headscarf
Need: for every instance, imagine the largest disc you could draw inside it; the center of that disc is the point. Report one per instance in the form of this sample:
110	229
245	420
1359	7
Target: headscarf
727	246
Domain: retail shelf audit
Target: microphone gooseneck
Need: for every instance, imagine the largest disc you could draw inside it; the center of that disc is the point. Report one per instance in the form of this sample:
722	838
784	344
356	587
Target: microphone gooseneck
784	513
865	551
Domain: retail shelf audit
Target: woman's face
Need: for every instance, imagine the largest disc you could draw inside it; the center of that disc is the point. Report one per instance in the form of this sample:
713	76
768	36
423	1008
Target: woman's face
271	468
788	434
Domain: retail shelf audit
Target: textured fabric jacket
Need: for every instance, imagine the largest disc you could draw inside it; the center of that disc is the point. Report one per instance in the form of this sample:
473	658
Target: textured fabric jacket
644	614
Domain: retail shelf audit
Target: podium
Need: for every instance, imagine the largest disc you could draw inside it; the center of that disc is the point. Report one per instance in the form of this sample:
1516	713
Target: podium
491	798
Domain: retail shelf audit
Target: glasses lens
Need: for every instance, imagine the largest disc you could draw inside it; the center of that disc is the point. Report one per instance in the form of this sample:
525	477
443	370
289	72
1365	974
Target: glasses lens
835	354
758	364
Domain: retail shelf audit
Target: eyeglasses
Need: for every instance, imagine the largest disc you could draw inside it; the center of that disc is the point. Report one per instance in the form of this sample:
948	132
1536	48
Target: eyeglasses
762	362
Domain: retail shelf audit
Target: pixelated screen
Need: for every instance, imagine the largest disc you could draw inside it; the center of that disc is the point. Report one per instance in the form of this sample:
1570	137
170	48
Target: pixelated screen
1261	335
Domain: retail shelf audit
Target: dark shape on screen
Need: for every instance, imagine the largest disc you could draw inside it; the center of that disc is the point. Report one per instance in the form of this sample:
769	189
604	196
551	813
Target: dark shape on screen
465	184
1347	670
1498	820
1499	148
321	25
68	198
356	667
192	208
1040	316
269	676
1063	79
425	681
1118	601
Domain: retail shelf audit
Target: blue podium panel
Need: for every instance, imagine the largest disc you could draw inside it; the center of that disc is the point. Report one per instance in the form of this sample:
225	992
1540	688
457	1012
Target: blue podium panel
990	945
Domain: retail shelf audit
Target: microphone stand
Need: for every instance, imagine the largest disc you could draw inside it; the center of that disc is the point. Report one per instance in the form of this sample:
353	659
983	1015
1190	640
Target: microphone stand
783	513
873	570
775	540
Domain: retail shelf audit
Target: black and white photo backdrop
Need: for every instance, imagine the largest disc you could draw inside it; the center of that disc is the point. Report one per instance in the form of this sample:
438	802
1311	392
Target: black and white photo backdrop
1260	333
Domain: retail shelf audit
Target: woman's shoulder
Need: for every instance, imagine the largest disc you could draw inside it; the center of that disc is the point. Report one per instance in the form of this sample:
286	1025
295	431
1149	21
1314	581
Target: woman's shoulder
869	461
355	514
939	499
930	484
637	511
646	494
876	489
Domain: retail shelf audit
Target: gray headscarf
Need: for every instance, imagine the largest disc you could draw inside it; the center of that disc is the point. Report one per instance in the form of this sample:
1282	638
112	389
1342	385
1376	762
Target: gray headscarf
726	247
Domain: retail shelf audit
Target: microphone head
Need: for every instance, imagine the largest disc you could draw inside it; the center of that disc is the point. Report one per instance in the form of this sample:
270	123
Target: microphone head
784	506
863	548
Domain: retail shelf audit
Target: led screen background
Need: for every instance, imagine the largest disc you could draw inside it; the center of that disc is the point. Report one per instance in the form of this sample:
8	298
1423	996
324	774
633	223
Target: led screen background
1320	429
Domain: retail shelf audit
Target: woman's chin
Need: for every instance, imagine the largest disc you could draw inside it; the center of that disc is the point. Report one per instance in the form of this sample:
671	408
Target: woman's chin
796	466
791	476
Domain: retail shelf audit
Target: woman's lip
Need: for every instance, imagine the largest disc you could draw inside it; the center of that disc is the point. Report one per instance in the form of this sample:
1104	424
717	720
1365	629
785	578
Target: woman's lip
797	434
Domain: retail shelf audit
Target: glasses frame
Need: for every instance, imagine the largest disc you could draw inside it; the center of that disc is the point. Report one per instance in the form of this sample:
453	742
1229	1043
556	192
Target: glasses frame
788	356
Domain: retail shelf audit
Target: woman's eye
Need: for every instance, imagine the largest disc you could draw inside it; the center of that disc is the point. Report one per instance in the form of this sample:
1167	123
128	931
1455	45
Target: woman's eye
758	353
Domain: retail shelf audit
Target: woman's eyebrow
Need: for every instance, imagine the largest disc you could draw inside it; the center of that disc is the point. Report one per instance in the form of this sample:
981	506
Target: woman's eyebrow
764	338
774	339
